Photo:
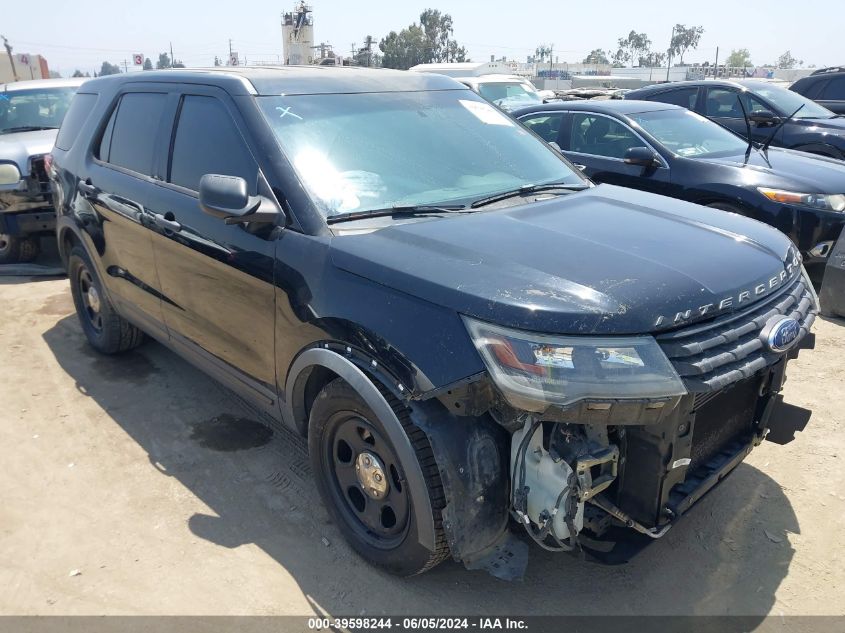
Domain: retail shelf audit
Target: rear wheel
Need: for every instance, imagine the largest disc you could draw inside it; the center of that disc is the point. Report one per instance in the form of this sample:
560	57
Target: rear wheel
363	483
15	249
106	331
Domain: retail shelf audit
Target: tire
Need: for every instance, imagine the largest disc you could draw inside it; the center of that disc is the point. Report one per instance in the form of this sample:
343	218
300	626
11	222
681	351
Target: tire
343	431
17	250
106	331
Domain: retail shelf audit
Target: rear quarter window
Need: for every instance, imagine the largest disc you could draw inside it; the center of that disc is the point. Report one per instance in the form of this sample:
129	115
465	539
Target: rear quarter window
78	113
835	89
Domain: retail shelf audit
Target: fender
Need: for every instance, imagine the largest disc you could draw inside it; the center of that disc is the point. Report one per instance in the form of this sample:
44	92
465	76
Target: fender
365	388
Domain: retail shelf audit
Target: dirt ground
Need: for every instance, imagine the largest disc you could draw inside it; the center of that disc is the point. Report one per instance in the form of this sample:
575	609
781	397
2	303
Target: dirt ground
137	485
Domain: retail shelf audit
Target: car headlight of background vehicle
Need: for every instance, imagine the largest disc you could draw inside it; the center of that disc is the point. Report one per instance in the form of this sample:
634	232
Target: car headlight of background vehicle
9	174
828	202
534	370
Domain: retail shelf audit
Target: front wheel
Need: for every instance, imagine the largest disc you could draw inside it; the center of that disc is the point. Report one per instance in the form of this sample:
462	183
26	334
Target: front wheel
16	250
362	481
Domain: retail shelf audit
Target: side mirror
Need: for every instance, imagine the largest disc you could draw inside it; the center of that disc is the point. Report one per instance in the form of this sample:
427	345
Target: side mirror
642	156
555	147
763	117
227	197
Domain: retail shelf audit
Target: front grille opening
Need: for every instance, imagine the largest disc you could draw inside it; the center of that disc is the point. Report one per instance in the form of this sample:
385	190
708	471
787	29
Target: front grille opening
711	356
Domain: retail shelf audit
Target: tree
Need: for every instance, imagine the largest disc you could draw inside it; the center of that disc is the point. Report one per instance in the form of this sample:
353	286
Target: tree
148	65
163	61
684	39
178	64
429	41
634	46
652	59
79	73
788	61
404	49
54	74
596	56
739	58
109	69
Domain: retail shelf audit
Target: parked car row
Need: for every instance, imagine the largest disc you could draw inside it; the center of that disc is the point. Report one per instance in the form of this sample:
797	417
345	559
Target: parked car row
463	325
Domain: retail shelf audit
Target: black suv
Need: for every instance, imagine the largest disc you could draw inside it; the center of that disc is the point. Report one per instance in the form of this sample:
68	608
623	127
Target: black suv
825	86
776	116
465	328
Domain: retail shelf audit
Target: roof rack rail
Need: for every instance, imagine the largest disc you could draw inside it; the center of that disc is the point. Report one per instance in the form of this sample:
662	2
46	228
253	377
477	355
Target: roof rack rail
830	69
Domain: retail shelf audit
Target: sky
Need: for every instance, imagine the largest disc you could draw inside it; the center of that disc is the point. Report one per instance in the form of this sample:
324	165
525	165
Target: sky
84	33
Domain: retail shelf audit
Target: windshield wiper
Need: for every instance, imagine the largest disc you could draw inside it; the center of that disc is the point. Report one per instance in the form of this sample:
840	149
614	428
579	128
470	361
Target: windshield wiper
765	146
29	128
526	189
398	209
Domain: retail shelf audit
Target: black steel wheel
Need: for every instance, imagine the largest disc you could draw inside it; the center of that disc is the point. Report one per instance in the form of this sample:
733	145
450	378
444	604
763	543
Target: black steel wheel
363	481
105	329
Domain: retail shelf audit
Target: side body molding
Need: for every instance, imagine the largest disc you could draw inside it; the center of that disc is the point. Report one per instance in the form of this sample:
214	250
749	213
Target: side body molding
359	381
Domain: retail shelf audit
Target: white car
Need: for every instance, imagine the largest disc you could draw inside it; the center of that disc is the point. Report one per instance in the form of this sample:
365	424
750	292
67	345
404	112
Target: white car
30	115
506	91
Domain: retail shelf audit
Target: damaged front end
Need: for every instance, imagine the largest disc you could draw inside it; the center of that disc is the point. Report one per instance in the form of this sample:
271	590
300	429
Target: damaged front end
597	445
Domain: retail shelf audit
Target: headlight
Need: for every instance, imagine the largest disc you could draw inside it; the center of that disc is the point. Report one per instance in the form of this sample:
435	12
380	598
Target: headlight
536	370
828	202
9	174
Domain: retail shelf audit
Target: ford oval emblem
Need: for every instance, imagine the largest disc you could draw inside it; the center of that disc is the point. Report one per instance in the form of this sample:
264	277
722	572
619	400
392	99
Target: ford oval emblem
781	333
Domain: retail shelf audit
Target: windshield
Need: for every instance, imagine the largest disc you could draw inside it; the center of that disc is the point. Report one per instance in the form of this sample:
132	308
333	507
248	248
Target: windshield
362	152
509	95
788	102
688	134
33	109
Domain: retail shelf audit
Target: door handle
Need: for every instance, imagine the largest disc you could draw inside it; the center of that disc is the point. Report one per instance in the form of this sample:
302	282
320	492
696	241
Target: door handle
87	189
164	223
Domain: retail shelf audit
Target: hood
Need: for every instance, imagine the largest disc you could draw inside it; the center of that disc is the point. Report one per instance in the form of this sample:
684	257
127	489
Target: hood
19	146
830	131
788	169
606	260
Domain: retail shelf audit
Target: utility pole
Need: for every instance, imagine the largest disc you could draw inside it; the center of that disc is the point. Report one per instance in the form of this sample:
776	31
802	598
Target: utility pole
352	54
125	67
172	61
669	62
11	59
716	69
551	59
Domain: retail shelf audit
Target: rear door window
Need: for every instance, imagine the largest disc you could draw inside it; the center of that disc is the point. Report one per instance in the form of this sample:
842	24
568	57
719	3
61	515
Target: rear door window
208	142
77	114
723	103
601	136
130	138
685	97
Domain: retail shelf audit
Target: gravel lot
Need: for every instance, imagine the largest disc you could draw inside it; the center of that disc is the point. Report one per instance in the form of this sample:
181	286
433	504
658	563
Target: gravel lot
137	485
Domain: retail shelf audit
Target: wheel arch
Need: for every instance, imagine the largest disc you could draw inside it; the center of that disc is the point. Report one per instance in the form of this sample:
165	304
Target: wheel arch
317	366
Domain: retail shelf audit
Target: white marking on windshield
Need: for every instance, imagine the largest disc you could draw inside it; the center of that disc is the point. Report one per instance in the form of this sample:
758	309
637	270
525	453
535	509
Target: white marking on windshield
286	111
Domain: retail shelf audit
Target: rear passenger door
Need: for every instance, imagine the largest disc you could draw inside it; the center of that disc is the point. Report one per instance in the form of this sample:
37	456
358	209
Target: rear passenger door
599	142
216	279
119	177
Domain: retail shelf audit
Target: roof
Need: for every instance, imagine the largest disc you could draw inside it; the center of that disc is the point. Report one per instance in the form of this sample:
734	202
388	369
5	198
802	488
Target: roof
610	106
292	80
38	84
